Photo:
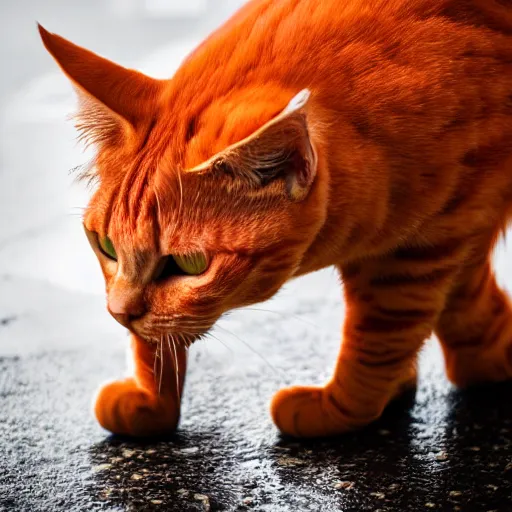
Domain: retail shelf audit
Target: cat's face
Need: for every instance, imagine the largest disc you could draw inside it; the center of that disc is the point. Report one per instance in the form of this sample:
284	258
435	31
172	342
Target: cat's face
194	215
240	251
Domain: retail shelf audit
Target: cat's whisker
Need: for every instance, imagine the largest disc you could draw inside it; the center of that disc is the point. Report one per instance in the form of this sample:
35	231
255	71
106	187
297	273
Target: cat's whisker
180	182
183	339
177	366
170	351
158	207
221	342
162	358
283	315
193	327
173	360
176	319
190	337
173	320
193	335
254	351
154	365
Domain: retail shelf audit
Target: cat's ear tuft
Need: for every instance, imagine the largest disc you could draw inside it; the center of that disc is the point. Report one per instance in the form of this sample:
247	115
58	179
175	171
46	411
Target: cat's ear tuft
280	150
111	97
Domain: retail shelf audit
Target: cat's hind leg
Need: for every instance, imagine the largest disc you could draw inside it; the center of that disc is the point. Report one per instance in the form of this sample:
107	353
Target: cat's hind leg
475	328
147	404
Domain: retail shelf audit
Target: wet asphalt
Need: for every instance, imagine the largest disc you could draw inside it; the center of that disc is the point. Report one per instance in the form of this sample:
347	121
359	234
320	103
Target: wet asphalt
442	449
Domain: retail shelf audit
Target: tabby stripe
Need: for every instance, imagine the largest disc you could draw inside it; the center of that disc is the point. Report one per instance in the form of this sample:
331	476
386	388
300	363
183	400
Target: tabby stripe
435	253
157	228
499	307
148	133
475	341
140	186
477	292
390	358
417	295
494	338
336	404
367	297
417	314
497	330
351	271
355	235
274	267
391	280
191	128
385	325
464	193
454	203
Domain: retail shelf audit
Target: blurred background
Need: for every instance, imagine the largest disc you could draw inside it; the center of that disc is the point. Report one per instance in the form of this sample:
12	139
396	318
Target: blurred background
38	235
41	239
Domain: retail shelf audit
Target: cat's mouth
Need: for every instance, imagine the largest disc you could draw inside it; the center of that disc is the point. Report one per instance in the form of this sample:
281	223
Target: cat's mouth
173	329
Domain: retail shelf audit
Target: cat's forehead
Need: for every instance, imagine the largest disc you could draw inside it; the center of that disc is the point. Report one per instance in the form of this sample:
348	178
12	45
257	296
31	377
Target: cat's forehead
163	213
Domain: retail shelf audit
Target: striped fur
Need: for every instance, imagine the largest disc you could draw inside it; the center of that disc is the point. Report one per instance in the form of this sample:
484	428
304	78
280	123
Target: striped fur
398	171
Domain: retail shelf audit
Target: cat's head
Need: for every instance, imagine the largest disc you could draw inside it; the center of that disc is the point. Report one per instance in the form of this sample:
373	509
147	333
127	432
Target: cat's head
207	200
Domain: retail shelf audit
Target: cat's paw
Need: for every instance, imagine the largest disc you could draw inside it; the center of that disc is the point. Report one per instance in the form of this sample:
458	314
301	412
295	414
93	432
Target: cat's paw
466	368
309	412
124	408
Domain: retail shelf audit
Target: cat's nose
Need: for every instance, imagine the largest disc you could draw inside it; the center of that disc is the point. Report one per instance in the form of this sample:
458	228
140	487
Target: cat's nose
124	319
125	308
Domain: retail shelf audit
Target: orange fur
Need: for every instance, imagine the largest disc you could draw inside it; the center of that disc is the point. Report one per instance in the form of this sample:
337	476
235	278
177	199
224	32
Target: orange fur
398	170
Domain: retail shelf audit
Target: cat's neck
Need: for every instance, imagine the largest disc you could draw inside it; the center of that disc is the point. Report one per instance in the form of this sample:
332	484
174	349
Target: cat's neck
351	184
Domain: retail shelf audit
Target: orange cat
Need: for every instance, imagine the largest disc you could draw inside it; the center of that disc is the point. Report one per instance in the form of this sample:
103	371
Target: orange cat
374	135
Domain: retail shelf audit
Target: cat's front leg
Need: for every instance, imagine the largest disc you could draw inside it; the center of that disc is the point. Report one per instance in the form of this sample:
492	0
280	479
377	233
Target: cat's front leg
392	308
147	404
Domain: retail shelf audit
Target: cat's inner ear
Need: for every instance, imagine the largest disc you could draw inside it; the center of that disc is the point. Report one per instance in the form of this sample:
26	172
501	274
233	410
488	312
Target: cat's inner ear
112	99
279	150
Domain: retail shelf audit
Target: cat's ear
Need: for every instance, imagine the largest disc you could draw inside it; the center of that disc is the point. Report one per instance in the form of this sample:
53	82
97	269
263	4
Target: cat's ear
279	150
112	98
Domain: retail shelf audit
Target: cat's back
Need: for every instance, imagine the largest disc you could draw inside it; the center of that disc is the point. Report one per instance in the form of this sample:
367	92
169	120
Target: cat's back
407	69
313	43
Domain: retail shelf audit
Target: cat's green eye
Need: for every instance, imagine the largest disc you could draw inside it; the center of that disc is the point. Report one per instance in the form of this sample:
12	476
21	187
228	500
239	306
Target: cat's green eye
192	264
107	247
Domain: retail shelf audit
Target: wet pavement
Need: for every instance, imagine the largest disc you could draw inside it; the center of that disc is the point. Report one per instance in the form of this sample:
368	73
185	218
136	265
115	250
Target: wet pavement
441	450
